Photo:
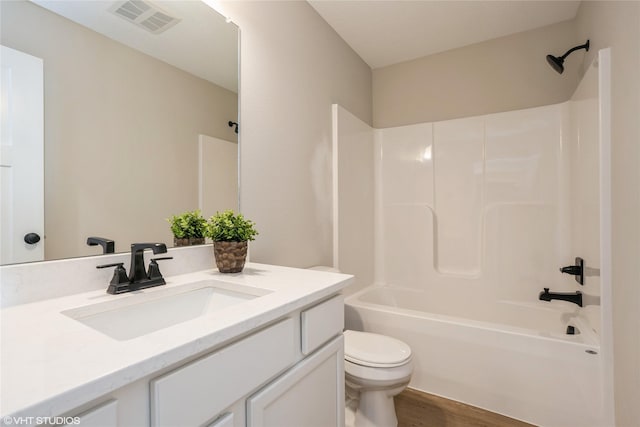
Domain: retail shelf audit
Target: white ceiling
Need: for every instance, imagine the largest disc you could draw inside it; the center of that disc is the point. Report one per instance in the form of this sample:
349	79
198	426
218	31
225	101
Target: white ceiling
387	32
202	43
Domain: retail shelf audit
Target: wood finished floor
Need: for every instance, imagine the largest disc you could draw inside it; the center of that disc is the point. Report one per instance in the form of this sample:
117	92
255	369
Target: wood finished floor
418	409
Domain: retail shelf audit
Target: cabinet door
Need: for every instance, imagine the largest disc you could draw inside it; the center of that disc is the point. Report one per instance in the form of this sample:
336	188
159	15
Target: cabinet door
225	420
105	415
311	394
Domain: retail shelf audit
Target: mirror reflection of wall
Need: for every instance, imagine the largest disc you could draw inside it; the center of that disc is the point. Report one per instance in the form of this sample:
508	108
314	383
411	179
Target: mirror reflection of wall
121	128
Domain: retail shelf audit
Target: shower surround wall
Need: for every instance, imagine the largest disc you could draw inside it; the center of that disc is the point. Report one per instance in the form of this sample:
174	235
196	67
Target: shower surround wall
491	205
480	200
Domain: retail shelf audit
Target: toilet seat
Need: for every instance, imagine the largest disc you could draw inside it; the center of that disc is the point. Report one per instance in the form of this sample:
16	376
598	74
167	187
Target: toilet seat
374	350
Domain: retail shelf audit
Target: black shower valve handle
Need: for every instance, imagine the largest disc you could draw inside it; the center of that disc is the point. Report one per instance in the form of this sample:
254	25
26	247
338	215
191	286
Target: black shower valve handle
576	270
571	269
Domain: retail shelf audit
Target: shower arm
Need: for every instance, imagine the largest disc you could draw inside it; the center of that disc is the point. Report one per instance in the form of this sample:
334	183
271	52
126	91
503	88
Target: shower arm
584	46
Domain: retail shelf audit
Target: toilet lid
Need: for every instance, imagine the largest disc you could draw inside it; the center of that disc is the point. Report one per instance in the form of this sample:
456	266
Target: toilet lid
364	348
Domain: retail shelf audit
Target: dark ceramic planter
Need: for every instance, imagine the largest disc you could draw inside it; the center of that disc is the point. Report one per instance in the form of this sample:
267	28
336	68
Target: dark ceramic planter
230	256
188	241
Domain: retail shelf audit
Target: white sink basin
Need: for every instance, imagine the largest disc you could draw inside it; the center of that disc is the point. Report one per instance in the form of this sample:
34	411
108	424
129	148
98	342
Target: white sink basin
139	313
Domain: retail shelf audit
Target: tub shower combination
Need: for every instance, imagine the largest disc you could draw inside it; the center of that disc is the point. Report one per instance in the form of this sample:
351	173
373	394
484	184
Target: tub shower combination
472	220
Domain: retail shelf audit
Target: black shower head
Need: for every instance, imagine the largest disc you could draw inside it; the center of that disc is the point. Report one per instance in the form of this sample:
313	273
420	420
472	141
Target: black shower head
557	63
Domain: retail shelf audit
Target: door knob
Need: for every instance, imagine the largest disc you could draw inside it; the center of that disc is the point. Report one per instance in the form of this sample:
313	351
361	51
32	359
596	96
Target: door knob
31	238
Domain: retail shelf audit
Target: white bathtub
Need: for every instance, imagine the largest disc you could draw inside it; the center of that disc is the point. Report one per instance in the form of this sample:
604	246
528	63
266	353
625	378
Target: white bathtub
507	357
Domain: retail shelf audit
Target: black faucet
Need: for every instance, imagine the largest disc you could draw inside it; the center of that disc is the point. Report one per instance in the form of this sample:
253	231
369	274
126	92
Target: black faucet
574	297
138	277
108	245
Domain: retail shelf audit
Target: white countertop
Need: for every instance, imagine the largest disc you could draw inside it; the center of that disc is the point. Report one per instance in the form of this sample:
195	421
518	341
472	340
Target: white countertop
51	363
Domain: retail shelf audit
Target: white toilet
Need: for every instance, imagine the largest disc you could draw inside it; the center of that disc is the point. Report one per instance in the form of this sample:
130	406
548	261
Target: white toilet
377	368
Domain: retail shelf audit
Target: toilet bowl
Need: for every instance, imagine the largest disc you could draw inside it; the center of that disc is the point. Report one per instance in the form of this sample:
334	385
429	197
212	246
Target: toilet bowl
377	368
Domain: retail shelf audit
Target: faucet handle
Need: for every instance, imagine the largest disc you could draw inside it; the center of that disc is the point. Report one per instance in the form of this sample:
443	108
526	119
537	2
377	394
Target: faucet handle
120	281
154	268
577	270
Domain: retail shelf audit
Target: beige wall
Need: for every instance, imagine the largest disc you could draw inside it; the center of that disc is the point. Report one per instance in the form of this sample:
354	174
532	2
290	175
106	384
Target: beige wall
121	133
293	67
503	74
617	25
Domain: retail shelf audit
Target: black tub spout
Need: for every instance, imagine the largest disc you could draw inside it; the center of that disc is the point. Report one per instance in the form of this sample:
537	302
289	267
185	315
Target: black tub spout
574	297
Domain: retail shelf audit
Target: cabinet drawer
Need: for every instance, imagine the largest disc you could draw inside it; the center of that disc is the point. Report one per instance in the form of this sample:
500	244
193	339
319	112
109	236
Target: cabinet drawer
321	323
199	391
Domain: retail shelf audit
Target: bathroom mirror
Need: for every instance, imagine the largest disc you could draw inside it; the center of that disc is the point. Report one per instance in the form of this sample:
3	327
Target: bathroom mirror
138	98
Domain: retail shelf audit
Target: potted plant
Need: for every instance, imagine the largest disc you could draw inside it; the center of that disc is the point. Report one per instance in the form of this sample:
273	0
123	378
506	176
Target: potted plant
188	228
230	233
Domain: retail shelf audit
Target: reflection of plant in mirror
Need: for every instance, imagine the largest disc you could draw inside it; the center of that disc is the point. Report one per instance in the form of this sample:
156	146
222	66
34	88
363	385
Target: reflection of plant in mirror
188	225
229	227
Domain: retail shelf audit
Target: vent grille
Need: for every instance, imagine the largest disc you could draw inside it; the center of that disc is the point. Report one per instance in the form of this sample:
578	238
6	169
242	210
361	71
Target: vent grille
145	14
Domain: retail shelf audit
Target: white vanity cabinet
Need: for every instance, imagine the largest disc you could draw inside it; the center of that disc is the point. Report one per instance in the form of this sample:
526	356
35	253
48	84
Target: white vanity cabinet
289	373
296	366
272	360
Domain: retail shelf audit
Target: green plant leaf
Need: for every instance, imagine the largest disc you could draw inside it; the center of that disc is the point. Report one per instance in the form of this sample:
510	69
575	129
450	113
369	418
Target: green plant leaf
230	227
190	224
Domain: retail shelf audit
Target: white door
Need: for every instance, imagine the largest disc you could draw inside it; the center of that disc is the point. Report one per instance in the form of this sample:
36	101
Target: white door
218	175
21	158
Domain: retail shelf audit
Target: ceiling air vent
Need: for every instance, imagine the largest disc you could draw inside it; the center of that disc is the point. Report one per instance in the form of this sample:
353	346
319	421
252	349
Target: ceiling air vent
145	15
